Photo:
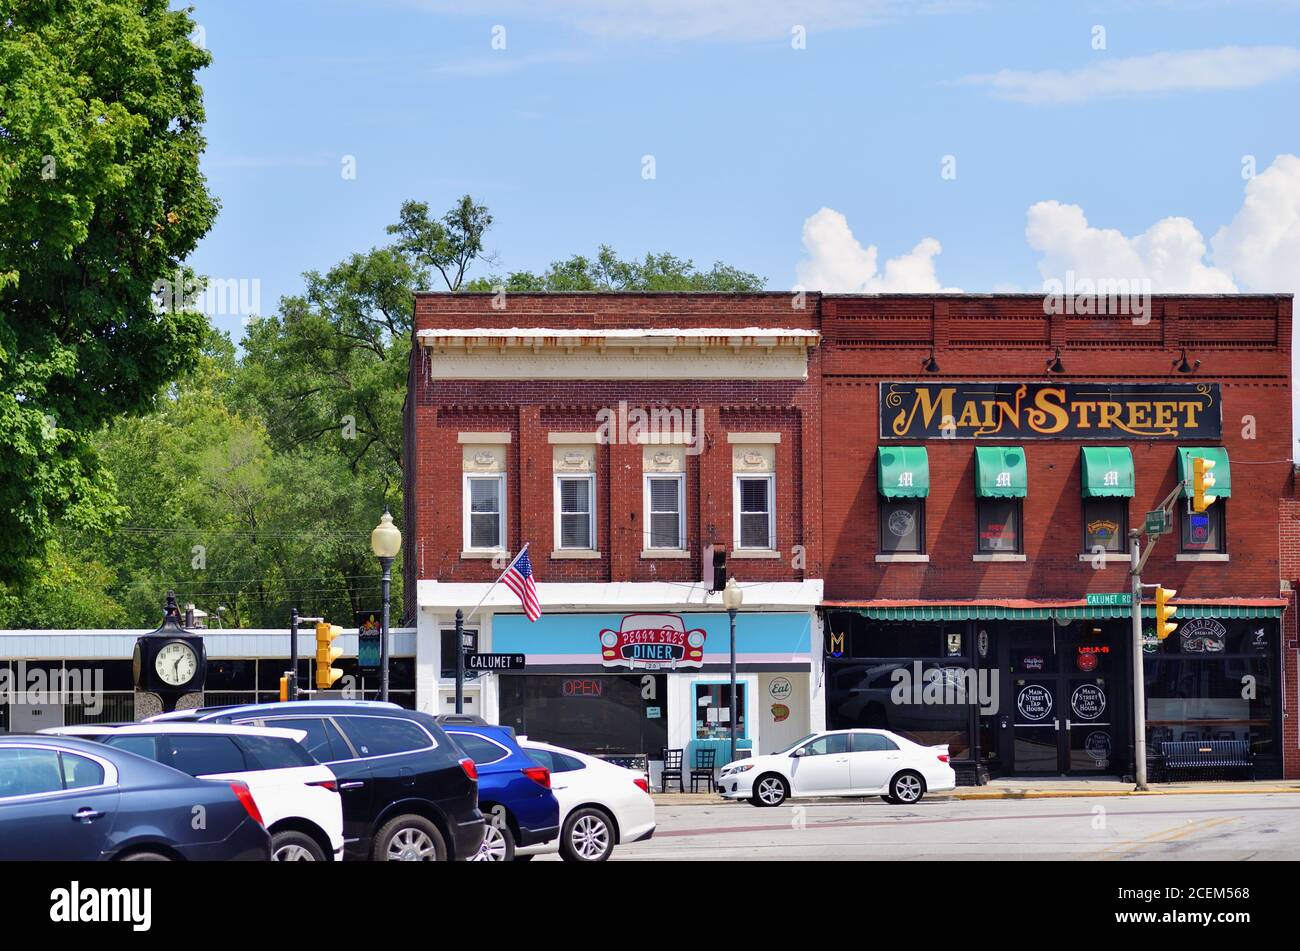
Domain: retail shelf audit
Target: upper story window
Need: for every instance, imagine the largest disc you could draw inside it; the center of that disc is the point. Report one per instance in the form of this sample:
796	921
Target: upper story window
483	464
574	467
903	482
753	464
1001	484
1106	480
664	467
1205	531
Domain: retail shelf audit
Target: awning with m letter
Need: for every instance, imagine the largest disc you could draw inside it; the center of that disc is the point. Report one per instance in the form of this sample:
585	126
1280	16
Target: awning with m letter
904	472
1000	472
1222	475
1107	472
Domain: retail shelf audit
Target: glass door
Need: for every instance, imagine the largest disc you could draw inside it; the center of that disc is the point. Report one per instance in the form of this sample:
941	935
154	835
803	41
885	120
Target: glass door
1037	726
1088	726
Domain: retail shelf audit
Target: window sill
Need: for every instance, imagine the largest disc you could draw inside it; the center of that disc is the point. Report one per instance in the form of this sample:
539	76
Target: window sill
997	556
1111	558
753	553
1203	556
484	553
664	553
903	557
576	553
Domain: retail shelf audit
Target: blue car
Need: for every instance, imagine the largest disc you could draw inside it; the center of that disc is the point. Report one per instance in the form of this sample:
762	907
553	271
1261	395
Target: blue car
67	799
514	792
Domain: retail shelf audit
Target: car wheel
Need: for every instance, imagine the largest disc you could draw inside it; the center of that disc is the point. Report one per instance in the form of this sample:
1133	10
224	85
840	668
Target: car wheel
290	846
498	844
906	788
146	857
409	839
588	836
770	790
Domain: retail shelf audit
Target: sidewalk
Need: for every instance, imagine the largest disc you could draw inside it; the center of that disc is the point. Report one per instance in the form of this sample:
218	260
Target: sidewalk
1048	789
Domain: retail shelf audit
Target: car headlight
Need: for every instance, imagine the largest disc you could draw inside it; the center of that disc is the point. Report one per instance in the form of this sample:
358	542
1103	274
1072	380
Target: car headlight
740	769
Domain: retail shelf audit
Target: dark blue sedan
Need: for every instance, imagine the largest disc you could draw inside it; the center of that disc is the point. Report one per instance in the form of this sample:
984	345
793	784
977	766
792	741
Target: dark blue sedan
68	799
514	791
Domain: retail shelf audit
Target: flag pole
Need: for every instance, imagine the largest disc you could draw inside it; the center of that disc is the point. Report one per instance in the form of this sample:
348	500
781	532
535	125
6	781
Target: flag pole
461	620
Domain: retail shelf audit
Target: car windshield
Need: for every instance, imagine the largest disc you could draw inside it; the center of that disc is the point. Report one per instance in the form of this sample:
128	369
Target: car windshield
799	742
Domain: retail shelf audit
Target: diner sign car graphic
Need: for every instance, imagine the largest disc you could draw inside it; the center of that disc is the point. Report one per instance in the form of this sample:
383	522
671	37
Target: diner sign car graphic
652	642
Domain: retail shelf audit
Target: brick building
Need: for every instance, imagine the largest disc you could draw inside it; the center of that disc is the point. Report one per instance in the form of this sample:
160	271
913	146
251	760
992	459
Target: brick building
916	485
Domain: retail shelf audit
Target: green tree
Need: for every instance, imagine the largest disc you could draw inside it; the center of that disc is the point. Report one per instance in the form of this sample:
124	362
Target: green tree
607	272
101	200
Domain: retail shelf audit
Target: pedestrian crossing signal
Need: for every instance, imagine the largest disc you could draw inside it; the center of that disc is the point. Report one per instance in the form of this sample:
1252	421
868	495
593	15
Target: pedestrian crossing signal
326	654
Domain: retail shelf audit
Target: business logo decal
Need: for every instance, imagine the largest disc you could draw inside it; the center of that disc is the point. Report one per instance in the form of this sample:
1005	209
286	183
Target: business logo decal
652	642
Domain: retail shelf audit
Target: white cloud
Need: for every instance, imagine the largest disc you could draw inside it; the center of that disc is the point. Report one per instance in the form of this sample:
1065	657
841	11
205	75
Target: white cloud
1261	245
1227	67
1170	253
736	20
837	263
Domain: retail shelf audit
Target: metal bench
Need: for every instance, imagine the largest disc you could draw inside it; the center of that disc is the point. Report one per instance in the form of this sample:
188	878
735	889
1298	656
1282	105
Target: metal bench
1206	756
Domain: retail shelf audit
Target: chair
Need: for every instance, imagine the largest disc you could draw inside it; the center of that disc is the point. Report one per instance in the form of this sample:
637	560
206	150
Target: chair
703	768
672	769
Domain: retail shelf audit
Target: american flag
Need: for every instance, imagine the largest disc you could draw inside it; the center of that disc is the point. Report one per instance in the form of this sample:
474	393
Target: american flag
519	579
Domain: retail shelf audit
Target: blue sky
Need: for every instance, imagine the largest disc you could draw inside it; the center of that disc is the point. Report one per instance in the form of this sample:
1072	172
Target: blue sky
751	138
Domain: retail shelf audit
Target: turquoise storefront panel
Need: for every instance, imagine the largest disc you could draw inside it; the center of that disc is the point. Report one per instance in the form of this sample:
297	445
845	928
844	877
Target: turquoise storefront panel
578	635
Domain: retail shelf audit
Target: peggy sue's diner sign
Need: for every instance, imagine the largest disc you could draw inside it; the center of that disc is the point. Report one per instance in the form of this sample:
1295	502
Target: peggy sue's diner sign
1186	411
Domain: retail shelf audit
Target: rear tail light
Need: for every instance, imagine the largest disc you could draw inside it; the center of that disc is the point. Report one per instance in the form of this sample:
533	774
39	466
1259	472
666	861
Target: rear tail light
540	775
246	800
330	784
943	757
470	769
642	784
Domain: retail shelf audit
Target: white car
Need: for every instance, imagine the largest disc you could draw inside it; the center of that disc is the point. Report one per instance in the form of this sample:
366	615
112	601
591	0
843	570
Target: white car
601	805
297	796
841	763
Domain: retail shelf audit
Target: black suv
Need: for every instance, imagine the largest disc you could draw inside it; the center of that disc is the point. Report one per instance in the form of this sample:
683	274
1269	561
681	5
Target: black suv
409	793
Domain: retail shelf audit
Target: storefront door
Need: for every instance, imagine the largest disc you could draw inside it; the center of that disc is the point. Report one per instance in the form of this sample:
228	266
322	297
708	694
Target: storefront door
1064	717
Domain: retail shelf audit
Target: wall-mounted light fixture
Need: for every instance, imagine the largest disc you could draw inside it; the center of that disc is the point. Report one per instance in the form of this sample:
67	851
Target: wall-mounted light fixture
1182	365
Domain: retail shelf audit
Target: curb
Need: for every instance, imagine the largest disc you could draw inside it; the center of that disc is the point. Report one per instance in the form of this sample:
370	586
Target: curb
977	792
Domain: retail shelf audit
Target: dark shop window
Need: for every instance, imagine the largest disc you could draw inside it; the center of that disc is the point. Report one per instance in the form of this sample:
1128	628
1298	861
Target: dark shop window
902	525
1205	531
998	525
1105	525
449	653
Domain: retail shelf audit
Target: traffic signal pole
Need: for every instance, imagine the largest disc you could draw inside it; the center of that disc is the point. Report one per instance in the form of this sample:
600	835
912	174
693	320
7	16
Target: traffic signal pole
1139	675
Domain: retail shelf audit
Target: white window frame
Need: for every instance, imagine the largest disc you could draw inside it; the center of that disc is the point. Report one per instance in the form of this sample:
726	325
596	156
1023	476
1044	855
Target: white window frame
591	512
680	479
771	509
465	510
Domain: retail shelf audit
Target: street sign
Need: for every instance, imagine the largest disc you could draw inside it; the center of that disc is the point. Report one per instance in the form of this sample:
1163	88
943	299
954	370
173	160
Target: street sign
467	641
1156	523
1109	598
494	661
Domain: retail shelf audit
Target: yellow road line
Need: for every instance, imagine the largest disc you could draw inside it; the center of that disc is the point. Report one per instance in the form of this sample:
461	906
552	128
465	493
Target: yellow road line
1171	834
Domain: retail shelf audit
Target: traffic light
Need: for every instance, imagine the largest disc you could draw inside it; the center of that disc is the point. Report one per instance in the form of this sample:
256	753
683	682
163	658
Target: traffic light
284	688
326	654
1164	611
1201	481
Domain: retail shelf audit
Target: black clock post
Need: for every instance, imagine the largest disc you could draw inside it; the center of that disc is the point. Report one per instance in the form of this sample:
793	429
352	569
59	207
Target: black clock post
169	666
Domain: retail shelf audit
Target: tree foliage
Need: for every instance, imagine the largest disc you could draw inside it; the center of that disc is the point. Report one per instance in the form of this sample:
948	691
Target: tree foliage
100	198
607	272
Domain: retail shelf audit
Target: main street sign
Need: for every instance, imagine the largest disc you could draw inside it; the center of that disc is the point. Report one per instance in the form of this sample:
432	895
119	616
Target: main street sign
495	661
1012	410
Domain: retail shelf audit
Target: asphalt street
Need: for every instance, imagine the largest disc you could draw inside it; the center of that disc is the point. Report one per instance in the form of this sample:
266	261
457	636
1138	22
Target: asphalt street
1115	829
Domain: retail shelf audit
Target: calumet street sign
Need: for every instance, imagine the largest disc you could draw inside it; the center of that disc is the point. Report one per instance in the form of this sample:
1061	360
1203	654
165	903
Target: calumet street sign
1109	598
494	661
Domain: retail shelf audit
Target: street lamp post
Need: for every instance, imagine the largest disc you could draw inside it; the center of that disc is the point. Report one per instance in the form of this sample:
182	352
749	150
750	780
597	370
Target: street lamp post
732	598
385	542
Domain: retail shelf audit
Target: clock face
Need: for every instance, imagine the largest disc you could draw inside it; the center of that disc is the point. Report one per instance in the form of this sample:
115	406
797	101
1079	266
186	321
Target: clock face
176	663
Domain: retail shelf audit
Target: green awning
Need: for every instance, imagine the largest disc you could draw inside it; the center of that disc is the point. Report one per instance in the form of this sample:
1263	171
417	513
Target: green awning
1107	472
965	612
904	472
1000	472
1222	475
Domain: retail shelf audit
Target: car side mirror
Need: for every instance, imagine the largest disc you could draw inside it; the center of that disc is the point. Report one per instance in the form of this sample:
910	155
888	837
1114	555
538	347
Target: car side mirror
799	752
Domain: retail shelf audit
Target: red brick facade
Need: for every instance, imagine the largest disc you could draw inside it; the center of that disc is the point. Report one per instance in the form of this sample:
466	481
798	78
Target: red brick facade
826	497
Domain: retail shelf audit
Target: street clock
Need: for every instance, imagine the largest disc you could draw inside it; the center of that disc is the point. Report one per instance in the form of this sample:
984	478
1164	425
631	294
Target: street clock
170	661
